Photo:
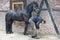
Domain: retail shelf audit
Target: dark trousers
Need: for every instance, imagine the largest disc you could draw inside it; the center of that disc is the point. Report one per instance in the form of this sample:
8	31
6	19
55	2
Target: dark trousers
34	30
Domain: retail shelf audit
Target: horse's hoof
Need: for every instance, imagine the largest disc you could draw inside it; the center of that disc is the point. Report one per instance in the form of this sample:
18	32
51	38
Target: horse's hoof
25	34
9	32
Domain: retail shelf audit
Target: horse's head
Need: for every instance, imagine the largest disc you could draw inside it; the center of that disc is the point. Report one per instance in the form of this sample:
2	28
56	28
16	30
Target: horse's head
33	6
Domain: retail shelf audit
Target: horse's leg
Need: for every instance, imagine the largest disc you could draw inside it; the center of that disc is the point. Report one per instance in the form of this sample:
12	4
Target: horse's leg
9	21
26	27
26	19
9	26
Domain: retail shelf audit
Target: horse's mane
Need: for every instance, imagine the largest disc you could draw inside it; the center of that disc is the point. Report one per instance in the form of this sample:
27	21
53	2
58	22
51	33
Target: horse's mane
27	7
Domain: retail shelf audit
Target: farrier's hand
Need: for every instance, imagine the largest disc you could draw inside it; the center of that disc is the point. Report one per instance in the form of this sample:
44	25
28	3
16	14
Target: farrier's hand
44	22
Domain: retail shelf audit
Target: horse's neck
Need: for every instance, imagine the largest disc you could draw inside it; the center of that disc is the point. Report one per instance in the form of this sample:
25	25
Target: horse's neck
28	11
30	14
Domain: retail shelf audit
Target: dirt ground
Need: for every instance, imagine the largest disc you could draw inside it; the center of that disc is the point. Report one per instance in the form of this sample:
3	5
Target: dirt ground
19	36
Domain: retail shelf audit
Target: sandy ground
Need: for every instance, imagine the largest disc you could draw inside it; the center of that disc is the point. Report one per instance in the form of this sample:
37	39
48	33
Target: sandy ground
16	36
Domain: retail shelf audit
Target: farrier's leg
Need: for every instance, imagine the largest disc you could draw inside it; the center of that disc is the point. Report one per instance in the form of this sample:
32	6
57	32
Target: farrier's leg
34	32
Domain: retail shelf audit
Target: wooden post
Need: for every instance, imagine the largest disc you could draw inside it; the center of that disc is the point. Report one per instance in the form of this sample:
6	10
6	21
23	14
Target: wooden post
25	3
10	5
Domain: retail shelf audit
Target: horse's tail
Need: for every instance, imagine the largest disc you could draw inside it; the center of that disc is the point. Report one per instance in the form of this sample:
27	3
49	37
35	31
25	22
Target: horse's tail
8	16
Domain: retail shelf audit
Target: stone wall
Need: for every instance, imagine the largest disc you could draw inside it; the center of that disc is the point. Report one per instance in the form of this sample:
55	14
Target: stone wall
4	4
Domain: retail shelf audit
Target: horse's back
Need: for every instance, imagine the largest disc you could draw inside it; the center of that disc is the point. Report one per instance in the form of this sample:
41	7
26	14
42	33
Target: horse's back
11	12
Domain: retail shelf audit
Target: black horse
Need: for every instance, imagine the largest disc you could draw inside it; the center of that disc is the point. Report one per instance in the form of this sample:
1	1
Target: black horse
22	15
